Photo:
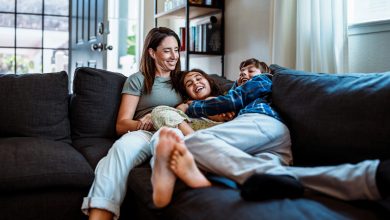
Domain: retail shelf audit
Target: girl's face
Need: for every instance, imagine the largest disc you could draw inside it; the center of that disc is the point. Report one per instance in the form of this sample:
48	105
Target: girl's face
197	86
166	55
247	73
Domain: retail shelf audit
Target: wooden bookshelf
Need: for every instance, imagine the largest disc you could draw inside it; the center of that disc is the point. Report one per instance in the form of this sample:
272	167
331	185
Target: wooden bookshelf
197	36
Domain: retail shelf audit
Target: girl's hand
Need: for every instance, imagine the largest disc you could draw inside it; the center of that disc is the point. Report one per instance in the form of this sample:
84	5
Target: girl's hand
145	123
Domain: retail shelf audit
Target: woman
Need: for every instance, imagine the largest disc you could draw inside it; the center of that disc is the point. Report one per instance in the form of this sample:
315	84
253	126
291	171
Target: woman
141	92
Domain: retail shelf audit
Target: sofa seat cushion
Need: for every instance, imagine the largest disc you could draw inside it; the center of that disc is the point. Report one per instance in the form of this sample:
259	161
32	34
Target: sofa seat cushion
29	163
35	105
221	202
334	118
95	103
93	149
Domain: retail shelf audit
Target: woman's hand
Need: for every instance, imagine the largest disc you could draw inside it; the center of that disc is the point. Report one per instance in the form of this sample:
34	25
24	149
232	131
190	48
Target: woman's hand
228	116
145	123
183	106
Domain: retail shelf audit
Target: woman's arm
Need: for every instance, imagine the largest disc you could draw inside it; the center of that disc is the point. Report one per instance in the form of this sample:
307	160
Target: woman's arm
125	121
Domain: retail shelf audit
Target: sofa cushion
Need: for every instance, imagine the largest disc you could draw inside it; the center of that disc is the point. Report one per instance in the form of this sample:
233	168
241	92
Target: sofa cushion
93	149
221	202
29	163
334	118
95	102
34	105
222	82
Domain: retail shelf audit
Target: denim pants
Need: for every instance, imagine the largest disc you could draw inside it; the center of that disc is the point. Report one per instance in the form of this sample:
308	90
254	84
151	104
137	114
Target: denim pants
109	187
256	143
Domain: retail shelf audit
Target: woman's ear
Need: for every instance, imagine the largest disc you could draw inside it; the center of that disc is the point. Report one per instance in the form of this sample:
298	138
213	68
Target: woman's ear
152	53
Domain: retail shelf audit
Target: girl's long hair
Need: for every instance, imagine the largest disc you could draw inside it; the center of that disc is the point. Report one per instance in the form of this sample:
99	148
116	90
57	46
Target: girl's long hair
181	88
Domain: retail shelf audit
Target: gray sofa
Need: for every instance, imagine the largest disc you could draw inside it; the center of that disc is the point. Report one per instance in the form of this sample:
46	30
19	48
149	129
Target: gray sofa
50	143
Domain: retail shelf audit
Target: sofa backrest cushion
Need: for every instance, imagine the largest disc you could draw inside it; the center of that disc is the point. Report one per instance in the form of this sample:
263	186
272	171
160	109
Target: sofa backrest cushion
334	118
35	105
95	102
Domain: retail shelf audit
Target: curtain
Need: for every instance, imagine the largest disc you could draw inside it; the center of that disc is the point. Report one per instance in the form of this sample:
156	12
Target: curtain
310	35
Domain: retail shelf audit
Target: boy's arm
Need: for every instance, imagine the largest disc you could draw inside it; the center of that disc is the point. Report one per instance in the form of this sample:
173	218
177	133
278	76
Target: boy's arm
234	100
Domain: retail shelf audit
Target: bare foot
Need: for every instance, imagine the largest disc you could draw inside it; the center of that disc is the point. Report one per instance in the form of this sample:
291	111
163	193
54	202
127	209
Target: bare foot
182	163
163	179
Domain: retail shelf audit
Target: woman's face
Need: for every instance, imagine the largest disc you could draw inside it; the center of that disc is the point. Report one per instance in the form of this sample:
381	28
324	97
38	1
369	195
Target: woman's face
166	55
197	86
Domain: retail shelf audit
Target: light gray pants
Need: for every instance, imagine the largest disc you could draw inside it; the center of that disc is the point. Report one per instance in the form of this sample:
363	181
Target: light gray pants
109	187
256	143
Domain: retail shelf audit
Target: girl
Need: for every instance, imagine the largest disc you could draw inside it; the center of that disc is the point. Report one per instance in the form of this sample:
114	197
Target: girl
192	85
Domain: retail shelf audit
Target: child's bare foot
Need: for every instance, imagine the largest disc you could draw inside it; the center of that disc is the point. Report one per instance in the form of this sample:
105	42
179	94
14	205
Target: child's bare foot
182	163
163	179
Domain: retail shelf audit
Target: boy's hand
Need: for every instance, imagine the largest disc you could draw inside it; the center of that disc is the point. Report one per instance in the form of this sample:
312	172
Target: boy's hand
228	116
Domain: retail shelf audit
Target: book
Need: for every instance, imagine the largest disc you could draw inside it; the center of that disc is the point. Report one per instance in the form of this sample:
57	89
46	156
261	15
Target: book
183	38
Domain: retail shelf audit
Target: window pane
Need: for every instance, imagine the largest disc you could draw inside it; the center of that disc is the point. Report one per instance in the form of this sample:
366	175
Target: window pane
7	5
57	7
29	31
123	37
28	61
7	30
56	33
368	10
29	6
55	60
7	61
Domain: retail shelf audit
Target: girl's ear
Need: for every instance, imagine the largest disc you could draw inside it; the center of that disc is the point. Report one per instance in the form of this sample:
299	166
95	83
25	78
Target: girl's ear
152	53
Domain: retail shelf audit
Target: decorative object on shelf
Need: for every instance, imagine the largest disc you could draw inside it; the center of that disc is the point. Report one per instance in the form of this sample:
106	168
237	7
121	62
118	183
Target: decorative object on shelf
196	2
214	42
168	5
208	2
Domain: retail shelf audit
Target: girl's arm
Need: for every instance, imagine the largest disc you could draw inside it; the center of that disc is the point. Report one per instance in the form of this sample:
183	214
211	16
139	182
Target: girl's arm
125	121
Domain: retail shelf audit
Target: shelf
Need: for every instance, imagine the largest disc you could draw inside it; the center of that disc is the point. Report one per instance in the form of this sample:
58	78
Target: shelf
195	12
204	25
205	53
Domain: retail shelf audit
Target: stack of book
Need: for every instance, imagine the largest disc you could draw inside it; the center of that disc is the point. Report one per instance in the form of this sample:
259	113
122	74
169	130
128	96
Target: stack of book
203	38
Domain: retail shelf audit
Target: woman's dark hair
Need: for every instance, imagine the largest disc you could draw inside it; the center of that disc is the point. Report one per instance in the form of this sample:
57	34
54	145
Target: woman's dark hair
147	64
258	64
181	88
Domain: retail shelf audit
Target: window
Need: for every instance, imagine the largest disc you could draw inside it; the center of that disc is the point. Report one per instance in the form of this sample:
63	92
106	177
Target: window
363	11
34	36
123	17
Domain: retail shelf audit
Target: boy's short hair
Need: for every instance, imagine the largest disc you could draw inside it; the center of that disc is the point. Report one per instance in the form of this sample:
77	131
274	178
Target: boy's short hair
258	64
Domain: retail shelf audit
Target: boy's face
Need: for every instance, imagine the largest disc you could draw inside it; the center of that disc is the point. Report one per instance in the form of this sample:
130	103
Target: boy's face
247	73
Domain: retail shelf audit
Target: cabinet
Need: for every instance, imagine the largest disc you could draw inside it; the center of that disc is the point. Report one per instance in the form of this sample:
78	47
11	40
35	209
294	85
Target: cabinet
200	26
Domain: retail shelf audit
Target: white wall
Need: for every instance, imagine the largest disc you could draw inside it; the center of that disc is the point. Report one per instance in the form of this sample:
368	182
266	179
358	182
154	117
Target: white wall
369	48
247	33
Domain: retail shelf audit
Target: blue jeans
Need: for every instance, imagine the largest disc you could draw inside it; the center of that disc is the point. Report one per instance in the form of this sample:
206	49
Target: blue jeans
109	187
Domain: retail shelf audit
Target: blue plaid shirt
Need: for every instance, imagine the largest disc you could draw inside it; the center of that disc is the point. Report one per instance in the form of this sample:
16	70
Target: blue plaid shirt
251	97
